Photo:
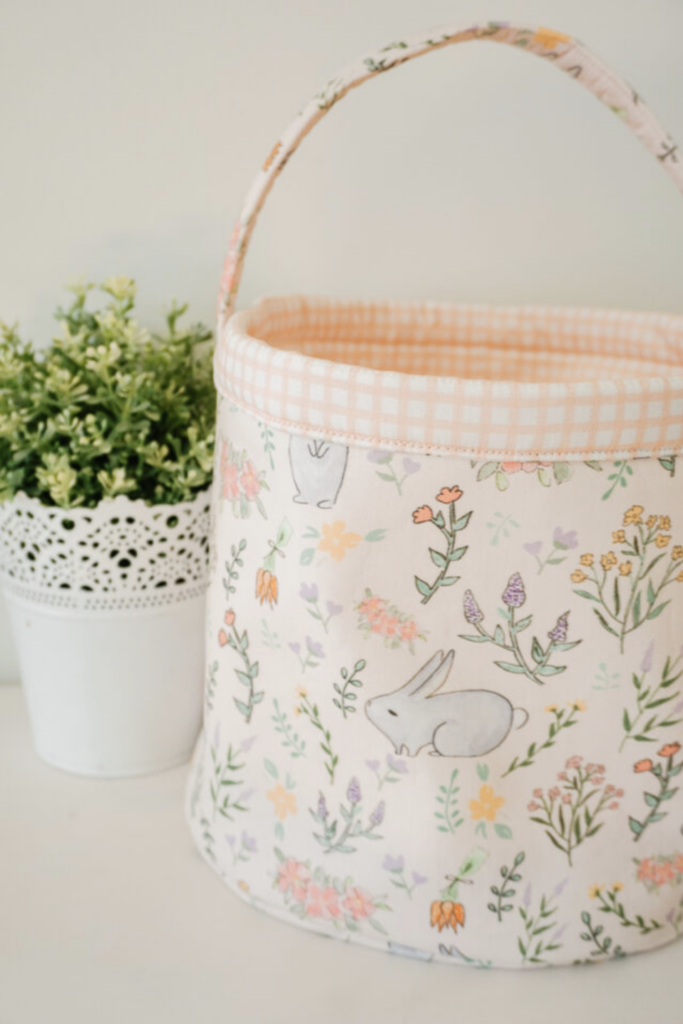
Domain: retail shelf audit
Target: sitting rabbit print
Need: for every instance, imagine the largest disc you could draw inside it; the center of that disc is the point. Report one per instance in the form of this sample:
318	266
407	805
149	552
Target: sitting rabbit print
466	723
318	469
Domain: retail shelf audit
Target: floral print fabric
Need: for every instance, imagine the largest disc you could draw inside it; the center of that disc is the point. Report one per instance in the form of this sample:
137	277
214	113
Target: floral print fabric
444	702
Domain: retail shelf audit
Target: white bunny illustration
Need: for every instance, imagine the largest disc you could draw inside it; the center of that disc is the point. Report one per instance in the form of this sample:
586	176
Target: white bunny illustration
464	723
318	469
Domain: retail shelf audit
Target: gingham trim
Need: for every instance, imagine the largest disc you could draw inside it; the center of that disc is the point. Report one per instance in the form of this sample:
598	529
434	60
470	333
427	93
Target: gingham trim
553	384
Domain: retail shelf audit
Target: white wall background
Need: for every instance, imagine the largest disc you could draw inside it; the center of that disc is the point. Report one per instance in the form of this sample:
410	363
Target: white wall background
129	132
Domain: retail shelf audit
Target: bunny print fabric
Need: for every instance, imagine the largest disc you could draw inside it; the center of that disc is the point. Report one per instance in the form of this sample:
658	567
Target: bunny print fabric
444	698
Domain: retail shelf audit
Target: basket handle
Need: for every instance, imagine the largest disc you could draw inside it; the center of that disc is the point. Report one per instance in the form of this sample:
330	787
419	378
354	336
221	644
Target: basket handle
564	51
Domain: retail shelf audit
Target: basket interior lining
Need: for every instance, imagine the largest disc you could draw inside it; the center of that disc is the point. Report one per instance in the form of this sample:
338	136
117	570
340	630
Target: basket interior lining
529	345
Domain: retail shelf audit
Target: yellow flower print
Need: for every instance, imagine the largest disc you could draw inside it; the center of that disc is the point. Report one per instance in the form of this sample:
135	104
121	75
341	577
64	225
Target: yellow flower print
618	537
677	553
662	539
651	521
617	887
664	523
608	561
594	891
284	802
549	38
336	541
578	576
586	559
487	806
634	515
550	708
625	569
580	705
244	886
680	576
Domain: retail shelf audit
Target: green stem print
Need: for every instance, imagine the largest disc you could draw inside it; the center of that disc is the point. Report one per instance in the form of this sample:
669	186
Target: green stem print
509	877
562	718
210	685
289	737
651	698
396	867
339	839
602	947
225	775
570	814
663	774
628	592
305	707
449	817
270	638
388	471
535	943
668	462
501	526
395	769
267	436
606	680
243	850
239	642
538	666
231	567
609	903
443	559
619	478
345	693
563	541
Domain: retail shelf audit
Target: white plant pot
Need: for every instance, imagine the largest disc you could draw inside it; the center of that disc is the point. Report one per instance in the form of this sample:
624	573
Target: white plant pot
107	609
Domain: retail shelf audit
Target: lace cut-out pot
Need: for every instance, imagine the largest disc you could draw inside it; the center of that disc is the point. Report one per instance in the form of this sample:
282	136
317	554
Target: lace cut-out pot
121	555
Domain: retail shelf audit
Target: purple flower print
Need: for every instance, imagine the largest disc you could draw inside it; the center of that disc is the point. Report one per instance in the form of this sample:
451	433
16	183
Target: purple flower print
373	765
396	865
377	816
473	612
322	808
398	764
230	840
559	633
314	648
534	548
514	595
562	539
249	843
526	898
353	792
247	744
295	647
379	457
333	609
646	663
309	592
410	466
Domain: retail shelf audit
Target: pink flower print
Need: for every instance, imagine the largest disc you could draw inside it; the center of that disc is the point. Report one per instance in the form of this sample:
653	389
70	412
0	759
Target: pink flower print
229	475
554	793
358	903
293	877
323	903
408	631
574	762
646	870
567	798
527	467
533	806
249	480
538	793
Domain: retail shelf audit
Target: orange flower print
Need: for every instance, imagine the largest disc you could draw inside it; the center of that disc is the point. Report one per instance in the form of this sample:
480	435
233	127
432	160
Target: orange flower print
377	617
322	902
447	495
643	766
447	914
487	806
336	541
578	576
229	617
669	750
266	587
423	514
284	802
549	38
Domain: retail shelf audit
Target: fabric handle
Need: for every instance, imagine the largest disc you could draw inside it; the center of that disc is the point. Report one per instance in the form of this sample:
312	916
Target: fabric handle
562	50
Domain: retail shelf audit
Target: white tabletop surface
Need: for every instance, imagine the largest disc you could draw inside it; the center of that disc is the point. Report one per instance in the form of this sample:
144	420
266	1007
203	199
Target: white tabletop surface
107	914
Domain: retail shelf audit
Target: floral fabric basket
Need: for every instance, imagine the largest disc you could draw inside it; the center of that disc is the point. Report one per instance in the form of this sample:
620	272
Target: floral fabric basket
444	695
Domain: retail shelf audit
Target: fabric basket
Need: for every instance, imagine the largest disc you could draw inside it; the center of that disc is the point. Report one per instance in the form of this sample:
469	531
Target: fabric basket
444	694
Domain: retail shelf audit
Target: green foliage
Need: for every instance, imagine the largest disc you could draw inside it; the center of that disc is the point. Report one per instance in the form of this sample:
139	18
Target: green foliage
107	408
